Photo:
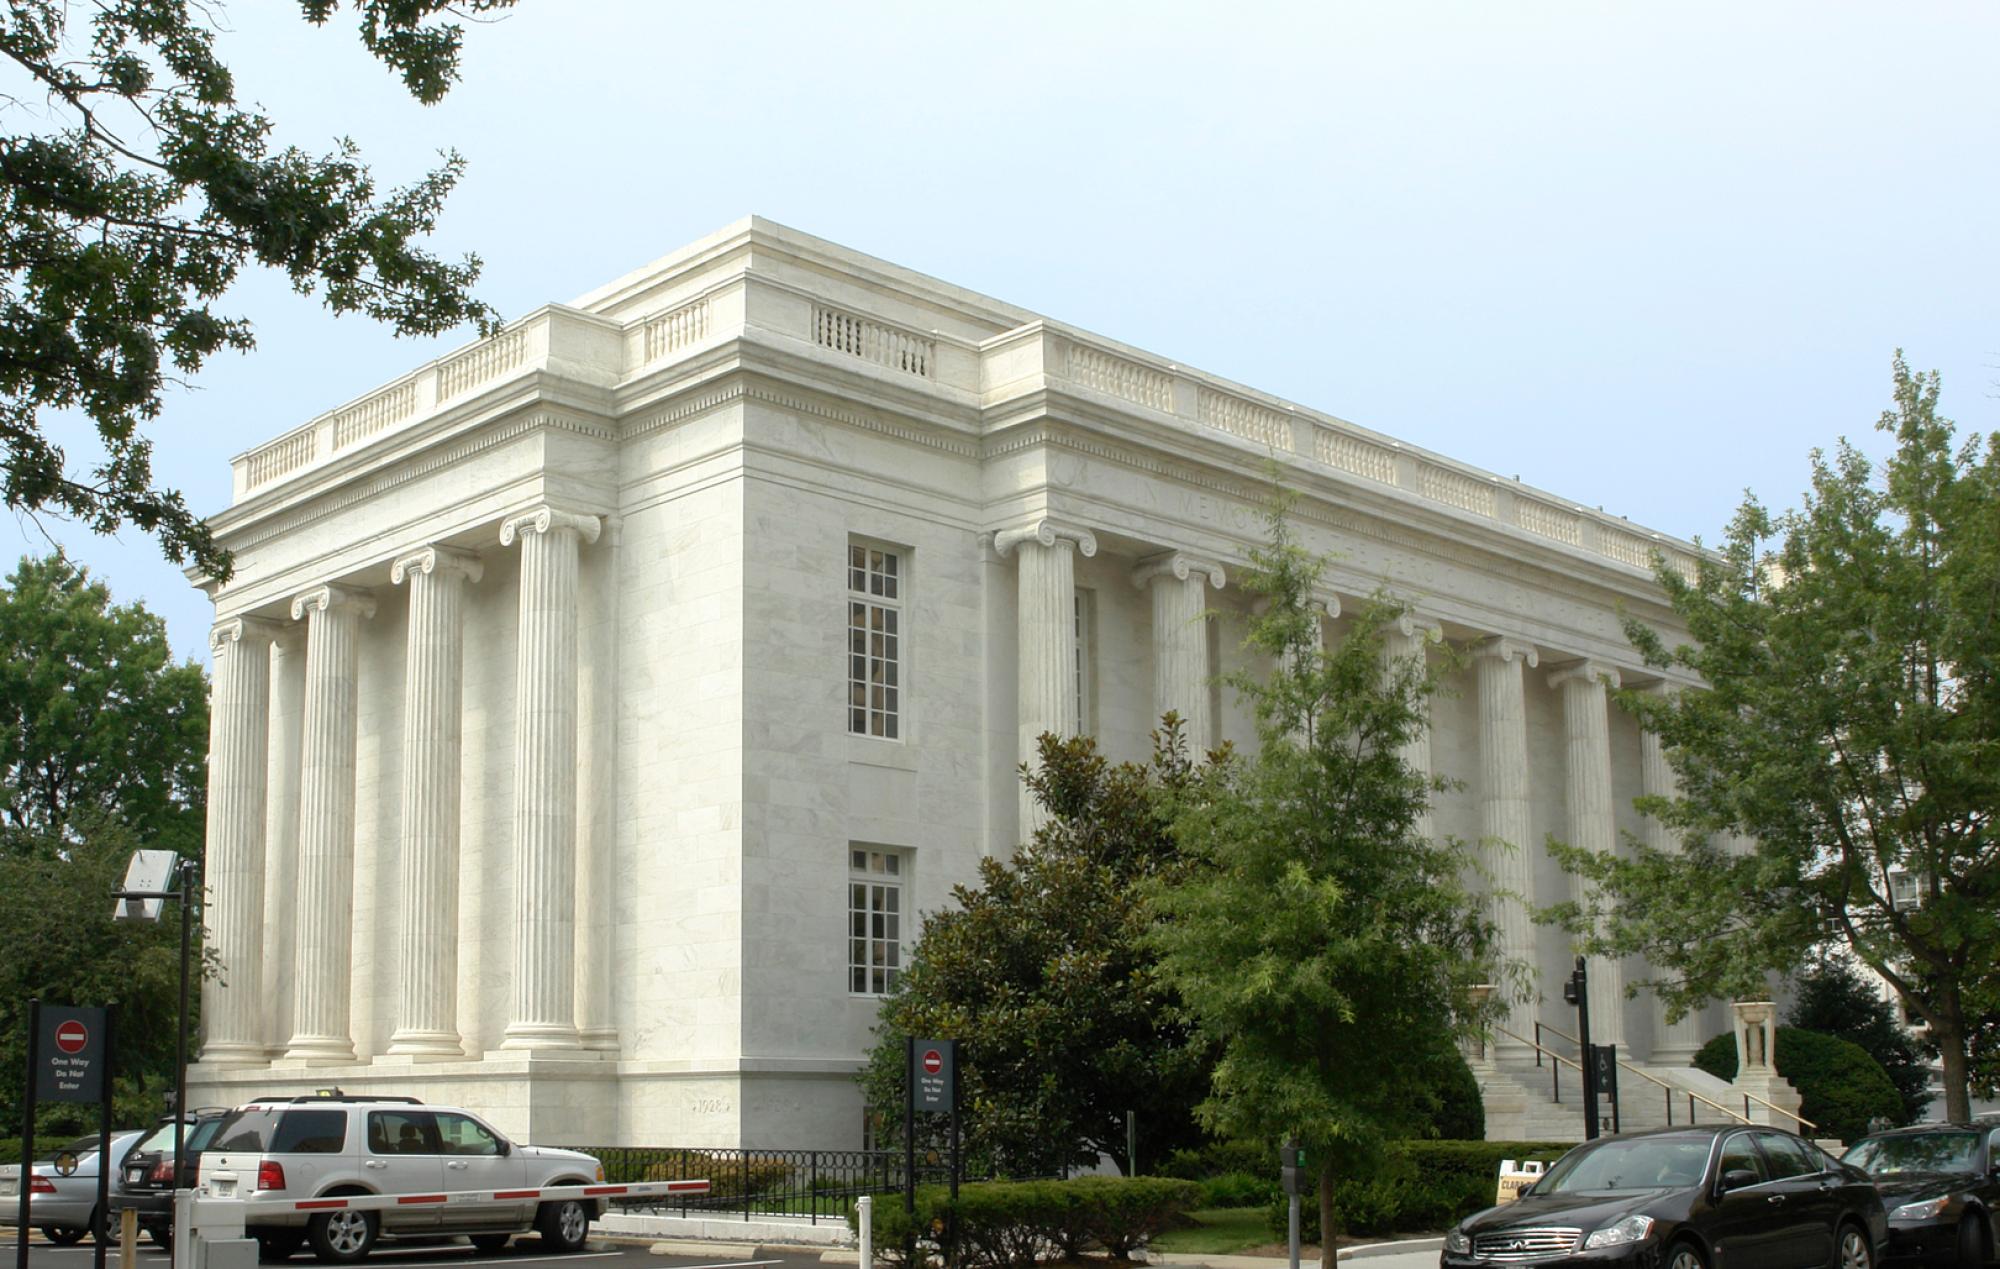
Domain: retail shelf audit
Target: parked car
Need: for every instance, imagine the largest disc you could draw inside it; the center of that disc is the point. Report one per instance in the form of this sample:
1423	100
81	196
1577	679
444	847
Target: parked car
63	1204
146	1181
275	1151
1941	1186
1726	1196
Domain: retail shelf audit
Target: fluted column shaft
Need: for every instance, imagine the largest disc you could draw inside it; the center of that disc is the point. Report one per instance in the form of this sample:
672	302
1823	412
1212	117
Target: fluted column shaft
281	833
545	745
1407	640
1592	821
1179	586
1678	1041
1504	821
325	908
427	987
238	731
1045	619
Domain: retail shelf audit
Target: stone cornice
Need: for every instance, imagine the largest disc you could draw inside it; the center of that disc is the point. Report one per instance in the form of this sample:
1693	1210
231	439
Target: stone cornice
1584	671
1180	566
1502	648
225	634
548	519
431	559
1047	532
332	597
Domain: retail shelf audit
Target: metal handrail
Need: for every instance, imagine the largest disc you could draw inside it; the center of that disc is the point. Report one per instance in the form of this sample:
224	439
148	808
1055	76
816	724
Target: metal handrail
1693	1096
1571	1063
1802	1121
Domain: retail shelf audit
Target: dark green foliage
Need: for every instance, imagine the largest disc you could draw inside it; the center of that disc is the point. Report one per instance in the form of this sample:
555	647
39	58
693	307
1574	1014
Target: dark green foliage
1841	1089
134	189
1421	1186
1832	998
105	742
1011	1224
1461	1112
1851	651
1327	947
1040	974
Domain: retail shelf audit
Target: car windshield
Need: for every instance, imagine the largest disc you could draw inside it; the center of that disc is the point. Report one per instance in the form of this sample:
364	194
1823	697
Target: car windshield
1646	1163
195	1135
1916	1152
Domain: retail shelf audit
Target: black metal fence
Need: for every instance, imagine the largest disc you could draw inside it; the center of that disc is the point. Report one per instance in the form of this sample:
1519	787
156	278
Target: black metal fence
792	1185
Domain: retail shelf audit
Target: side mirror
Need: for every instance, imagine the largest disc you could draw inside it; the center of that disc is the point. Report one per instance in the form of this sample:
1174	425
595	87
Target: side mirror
506	1147
1737	1178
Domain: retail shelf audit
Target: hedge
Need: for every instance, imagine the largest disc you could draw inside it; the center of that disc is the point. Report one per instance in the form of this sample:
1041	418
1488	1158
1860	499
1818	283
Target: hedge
1421	1185
1015	1224
1841	1088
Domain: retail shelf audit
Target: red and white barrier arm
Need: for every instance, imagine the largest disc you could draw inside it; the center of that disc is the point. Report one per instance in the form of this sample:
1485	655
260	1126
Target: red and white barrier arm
546	1194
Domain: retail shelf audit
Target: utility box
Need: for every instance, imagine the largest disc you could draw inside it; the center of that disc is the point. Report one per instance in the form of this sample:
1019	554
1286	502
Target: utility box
208	1233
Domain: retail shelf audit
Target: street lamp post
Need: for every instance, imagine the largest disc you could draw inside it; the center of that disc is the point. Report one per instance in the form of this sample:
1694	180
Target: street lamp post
148	882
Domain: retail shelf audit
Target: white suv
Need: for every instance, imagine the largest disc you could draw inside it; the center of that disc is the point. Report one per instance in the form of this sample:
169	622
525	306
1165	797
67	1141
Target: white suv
275	1151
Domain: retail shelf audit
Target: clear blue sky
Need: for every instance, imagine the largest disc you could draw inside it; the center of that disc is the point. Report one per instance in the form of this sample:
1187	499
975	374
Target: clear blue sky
1643	256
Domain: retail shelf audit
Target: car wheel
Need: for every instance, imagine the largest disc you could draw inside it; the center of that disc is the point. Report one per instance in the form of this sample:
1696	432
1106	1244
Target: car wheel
1855	1253
1685	1255
342	1237
1972	1248
489	1242
564	1225
105	1229
279	1245
63	1235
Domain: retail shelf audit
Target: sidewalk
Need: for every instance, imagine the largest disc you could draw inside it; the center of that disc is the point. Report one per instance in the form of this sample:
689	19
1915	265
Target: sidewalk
1409	1253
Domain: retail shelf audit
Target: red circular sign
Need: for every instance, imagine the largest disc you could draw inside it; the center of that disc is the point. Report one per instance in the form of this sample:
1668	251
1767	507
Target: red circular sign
72	1036
933	1061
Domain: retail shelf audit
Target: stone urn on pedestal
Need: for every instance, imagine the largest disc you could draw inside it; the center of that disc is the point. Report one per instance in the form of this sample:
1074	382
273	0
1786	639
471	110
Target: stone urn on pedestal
1772	1099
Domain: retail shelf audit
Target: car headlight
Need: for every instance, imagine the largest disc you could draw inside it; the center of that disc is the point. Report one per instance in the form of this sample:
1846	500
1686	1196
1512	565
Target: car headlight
1926	1210
1633	1229
1457	1242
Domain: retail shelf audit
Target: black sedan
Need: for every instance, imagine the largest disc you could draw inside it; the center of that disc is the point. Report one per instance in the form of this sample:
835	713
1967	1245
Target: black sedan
146	1180
1941	1186
1731	1196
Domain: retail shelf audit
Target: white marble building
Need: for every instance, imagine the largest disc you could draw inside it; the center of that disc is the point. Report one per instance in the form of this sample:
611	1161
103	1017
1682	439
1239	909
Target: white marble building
580	696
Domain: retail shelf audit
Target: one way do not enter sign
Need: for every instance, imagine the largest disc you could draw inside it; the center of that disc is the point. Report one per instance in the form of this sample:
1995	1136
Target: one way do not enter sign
71	1066
936	1068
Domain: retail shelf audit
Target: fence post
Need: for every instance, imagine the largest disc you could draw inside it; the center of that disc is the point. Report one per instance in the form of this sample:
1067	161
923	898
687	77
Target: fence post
867	1223
812	1185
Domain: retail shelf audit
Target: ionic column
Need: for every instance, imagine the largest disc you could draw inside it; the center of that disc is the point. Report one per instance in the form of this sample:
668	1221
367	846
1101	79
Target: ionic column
325	907
1045	616
1504	821
545	674
1677	1042
281	831
1407	639
238	730
1593	824
427	1008
1179	584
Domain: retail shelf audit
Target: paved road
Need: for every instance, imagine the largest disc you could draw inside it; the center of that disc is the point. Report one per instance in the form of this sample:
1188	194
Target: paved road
523	1252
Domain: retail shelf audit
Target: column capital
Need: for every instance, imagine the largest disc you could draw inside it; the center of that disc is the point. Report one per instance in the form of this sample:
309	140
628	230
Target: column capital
431	559
1502	648
224	634
332	597
1584	671
1320	604
1047	532
1179	565
1411	626
548	519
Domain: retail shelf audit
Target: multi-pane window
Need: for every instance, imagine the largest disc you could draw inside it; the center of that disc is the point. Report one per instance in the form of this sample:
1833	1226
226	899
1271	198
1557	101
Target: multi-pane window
874	921
874	641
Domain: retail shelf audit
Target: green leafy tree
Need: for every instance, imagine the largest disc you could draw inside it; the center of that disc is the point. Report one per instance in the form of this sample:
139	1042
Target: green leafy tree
1851	649
104	738
1325	946
134	189
1831	997
1842	1090
97	719
1039	972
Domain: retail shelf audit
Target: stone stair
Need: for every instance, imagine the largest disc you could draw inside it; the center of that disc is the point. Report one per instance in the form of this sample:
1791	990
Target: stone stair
1522	1102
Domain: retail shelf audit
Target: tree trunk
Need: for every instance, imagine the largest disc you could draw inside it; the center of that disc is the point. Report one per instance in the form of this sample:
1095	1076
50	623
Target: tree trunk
1957	1098
1327	1254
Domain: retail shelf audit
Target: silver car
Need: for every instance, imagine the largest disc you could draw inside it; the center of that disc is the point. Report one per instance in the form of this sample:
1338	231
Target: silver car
64	1207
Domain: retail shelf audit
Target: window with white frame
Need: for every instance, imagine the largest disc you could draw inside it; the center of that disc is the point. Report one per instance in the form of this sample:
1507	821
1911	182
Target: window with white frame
875	880
1085	724
874	641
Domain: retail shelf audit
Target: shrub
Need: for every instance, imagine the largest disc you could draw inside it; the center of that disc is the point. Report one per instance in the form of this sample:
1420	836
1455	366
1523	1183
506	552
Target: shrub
1237	1189
1421	1185
1014	1224
1461	1112
1220	1158
729	1175
1840	1087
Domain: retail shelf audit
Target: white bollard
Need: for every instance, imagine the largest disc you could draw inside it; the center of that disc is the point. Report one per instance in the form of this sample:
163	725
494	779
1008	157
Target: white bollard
867	1223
